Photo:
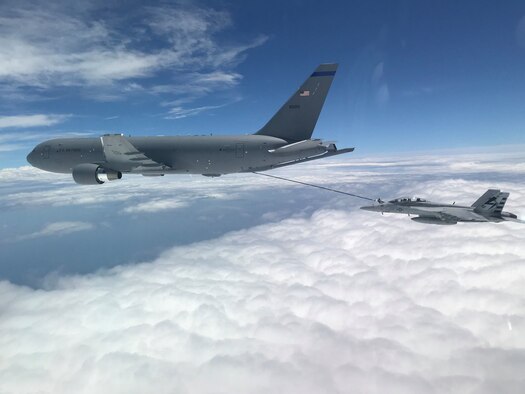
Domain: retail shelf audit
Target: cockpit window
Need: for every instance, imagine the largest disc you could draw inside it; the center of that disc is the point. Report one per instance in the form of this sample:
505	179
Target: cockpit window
406	199
403	199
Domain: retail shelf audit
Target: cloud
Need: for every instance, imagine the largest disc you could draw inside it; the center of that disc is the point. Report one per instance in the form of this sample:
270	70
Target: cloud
29	173
72	46
55	229
382	92
155	206
180	112
488	169
88	53
336	300
139	195
319	304
27	121
197	85
24	140
378	73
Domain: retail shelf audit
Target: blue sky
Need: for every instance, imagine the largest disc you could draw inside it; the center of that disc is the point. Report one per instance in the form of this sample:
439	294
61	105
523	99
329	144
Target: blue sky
245	283
414	75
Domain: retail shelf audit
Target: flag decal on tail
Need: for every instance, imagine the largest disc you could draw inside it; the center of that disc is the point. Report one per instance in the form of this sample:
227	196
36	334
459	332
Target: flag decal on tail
304	93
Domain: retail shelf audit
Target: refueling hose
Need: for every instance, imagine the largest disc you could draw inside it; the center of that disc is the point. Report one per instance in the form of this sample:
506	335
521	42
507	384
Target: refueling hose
317	186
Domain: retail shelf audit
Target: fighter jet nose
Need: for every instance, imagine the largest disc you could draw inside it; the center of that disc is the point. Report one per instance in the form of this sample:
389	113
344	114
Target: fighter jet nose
375	208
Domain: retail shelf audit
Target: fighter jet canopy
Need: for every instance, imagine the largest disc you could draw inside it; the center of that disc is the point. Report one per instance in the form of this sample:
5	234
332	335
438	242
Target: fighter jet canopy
407	199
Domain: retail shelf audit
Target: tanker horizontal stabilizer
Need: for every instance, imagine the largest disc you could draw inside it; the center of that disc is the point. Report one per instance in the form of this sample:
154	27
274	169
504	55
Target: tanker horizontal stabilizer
306	148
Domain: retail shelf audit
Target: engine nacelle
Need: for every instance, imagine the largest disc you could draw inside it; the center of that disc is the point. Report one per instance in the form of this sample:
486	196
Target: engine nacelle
93	174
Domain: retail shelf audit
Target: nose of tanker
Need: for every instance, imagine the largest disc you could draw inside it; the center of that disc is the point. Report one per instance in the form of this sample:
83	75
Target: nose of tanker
31	157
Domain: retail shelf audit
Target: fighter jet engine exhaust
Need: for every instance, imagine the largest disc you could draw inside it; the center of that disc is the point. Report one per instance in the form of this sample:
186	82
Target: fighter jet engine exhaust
93	174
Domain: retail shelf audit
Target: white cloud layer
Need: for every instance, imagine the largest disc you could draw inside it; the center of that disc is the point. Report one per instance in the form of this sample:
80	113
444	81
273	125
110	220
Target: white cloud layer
339	301
155	206
327	304
26	121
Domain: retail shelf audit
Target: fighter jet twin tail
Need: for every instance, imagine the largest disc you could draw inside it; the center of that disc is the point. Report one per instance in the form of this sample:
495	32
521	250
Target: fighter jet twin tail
284	140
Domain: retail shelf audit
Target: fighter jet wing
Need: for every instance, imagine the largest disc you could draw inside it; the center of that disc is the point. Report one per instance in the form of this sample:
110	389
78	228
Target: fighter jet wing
437	218
449	218
446	217
121	155
463	216
515	220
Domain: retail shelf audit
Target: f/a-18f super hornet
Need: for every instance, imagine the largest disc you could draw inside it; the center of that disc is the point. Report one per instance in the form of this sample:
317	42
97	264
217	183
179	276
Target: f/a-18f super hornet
284	140
487	208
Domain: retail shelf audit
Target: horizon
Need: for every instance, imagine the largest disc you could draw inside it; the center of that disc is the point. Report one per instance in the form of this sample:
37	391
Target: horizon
244	283
404	81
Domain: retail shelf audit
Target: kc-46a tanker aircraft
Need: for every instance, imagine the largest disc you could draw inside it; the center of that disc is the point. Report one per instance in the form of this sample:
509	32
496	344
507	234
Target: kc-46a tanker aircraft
284	140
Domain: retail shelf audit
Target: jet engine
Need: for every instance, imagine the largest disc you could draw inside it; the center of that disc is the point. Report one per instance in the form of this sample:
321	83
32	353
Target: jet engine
93	174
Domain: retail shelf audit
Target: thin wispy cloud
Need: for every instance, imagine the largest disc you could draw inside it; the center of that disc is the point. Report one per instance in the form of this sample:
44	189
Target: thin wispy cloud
56	229
58	47
197	85
28	121
168	55
194	88
382	92
11	141
181	112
